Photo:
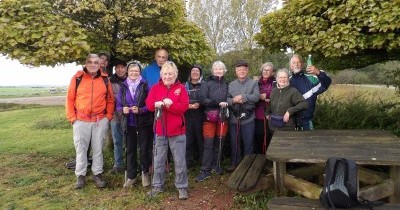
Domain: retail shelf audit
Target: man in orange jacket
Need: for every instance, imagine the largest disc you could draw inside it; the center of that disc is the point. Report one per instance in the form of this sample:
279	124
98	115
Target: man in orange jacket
89	108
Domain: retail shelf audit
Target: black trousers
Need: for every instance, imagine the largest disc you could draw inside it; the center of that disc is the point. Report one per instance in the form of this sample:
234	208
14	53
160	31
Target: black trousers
259	136
194	141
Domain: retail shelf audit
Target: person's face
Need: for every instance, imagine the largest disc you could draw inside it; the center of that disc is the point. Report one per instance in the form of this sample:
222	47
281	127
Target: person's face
103	61
295	64
195	74
168	76
133	72
267	72
120	70
92	65
241	72
161	57
282	79
218	71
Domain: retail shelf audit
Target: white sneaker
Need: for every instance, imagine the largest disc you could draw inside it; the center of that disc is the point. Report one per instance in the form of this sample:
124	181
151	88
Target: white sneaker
146	179
183	195
129	183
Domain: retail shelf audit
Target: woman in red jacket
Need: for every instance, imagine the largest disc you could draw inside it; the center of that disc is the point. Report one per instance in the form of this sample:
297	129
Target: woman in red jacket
169	100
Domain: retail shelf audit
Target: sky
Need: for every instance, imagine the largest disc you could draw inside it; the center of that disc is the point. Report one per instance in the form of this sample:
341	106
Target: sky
12	73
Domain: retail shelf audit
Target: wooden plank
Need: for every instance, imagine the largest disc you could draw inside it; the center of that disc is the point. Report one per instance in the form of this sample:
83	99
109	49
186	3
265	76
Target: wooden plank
295	203
379	191
395	176
302	187
238	175
253	173
371	177
279	172
307	171
264	183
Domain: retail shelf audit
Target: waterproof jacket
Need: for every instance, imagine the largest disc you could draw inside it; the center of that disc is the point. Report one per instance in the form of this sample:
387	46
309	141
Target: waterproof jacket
151	73
116	86
144	117
194	97
264	86
310	86
213	91
172	120
287	99
92	100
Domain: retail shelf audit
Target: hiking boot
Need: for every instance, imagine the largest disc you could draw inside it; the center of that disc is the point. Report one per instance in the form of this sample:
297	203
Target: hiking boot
203	176
231	168
80	182
98	179
183	194
217	170
116	170
71	165
154	191
129	183
146	181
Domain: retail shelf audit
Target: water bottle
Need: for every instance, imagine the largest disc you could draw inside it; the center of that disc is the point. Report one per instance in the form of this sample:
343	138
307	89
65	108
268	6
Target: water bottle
309	61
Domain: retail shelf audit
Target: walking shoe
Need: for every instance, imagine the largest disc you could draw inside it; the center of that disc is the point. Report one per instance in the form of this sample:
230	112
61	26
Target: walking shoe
116	170
80	182
231	168
183	195
98	179
203	176
146	179
154	191
217	170
129	183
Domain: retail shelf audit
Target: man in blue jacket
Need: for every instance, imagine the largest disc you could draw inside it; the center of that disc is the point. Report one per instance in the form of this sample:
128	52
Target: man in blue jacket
152	72
310	84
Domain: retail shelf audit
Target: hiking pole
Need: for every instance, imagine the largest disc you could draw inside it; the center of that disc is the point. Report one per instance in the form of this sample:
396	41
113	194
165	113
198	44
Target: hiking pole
238	132
125	131
265	130
157	116
223	114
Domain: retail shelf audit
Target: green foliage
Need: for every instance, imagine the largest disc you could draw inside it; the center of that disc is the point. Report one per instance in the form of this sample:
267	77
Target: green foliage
333	29
256	200
34	35
64	31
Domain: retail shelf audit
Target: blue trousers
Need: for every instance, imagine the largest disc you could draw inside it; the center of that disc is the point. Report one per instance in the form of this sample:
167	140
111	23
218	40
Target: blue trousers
246	136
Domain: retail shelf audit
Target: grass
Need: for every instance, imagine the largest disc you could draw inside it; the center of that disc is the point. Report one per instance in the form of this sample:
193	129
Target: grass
20	92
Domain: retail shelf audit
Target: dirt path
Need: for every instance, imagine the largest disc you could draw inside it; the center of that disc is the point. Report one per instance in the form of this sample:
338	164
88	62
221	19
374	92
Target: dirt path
45	100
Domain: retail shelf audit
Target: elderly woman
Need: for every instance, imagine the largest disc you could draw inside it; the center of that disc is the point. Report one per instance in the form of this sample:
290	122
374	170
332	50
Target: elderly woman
285	102
213	97
169	100
262	132
138	124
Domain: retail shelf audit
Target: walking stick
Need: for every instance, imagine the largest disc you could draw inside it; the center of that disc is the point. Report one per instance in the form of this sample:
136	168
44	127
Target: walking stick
265	131
157	116
223	115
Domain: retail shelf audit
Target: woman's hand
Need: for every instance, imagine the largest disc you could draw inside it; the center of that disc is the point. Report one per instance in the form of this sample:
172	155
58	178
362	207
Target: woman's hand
125	110
135	109
167	102
223	104
158	104
268	117
286	117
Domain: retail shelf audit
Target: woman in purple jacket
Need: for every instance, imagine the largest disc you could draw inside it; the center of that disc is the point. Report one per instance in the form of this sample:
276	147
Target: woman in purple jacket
139	122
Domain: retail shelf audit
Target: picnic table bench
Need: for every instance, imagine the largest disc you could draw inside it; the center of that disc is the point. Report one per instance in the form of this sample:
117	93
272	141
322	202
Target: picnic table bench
313	148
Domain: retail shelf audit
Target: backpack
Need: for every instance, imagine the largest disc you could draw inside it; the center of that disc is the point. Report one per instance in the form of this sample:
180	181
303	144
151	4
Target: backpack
341	184
79	79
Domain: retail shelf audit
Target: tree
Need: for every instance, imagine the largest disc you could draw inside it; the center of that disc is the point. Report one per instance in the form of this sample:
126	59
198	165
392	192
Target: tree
359	32
62	31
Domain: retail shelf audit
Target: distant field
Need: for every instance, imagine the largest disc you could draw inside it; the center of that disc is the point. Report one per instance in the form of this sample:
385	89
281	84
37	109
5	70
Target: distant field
18	92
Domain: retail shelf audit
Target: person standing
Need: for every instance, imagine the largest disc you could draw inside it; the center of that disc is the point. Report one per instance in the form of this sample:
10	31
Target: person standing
310	84
242	96
152	72
116	130
194	117
138	125
104	61
213	95
89	108
263	134
170	100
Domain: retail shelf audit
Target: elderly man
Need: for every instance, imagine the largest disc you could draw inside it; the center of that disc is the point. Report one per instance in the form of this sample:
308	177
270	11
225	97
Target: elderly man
243	94
152	72
310	85
89	108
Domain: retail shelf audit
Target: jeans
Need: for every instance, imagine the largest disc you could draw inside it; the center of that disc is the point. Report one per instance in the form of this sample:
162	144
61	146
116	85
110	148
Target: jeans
246	134
177	144
118	137
307	124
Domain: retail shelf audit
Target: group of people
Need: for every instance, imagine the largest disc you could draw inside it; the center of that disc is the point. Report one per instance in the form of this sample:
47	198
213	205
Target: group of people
152	110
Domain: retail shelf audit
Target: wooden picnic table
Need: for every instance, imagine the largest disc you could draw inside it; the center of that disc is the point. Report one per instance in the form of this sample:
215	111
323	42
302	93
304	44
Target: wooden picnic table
366	147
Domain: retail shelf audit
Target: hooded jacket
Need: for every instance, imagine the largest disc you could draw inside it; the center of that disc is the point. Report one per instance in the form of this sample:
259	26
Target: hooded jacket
172	122
92	100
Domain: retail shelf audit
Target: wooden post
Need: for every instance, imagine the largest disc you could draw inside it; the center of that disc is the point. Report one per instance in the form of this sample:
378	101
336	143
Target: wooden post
369	176
302	187
395	176
377	192
279	172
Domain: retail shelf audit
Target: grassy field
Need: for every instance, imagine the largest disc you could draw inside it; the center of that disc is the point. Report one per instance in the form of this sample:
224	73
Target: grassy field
19	92
373	93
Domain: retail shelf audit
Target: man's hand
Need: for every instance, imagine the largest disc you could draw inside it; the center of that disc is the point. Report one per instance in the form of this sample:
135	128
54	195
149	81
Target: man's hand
238	99
313	70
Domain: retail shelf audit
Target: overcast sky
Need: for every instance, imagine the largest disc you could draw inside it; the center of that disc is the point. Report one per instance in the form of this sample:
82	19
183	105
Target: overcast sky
12	73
